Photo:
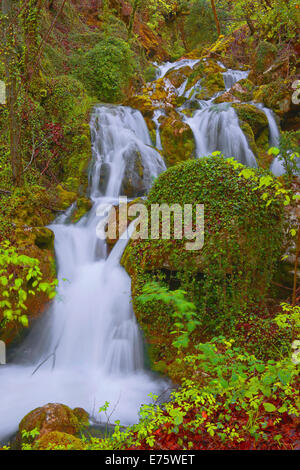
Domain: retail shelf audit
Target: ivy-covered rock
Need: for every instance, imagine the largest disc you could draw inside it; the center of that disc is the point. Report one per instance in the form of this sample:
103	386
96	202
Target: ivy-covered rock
58	441
230	275
209	72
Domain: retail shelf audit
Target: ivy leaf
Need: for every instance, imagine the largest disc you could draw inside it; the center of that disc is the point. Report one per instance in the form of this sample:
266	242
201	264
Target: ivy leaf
269	407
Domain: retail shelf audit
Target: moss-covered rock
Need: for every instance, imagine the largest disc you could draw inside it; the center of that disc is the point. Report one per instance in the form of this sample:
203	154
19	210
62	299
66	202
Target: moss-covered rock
82	207
66	197
243	90
58	441
256	118
44	238
206	69
177	77
133	182
211	85
177	140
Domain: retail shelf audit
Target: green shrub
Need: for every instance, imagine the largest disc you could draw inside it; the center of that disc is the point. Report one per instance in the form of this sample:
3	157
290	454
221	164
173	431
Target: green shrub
107	69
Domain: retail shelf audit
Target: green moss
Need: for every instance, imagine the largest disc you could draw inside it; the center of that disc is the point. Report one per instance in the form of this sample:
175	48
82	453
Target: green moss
58	441
254	124
211	85
205	69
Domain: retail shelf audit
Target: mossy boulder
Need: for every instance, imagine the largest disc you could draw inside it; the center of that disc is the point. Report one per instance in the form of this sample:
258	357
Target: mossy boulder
134	182
49	418
58	441
211	85
143	103
177	140
206	69
83	206
178	77
226	97
230	274
255	117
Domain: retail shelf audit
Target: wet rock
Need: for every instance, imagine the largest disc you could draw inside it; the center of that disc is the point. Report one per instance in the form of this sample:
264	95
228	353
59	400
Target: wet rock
133	183
177	140
209	72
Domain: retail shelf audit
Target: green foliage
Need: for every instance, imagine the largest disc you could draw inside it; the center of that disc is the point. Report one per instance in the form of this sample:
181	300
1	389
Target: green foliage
288	153
184	312
107	69
289	319
20	278
273	20
229	396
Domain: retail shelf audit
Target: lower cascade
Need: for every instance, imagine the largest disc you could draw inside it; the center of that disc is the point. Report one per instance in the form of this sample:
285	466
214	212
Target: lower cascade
88	348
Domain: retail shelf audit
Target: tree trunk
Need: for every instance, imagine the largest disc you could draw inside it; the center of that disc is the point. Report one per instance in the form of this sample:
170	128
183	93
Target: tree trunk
11	94
216	16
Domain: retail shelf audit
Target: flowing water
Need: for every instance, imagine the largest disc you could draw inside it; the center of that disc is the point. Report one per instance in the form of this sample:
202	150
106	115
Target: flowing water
216	126
88	348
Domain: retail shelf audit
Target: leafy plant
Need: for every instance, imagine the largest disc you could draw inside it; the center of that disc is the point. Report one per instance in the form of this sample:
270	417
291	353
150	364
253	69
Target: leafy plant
20	278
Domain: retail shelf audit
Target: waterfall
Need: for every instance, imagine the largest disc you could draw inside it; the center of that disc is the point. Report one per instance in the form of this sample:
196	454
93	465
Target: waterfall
216	128
88	348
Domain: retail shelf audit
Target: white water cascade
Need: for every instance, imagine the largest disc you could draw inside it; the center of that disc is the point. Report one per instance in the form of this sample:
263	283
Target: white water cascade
88	348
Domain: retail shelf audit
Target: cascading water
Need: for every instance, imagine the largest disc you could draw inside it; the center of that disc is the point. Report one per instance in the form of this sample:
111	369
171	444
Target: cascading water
88	348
